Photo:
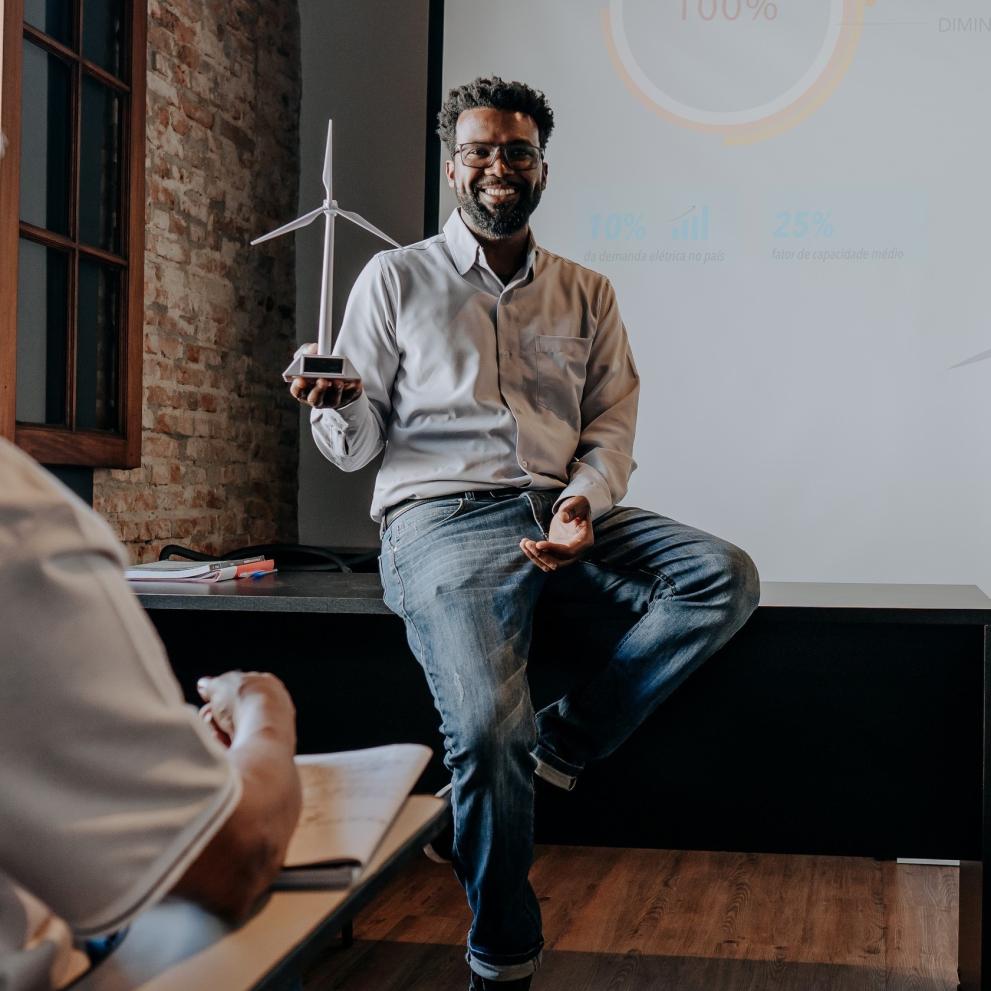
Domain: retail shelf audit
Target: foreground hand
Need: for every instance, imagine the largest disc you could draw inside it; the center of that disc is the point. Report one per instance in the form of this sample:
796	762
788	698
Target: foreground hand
324	393
226	694
569	536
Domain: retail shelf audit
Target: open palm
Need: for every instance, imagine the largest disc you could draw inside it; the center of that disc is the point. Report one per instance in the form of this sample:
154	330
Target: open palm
568	536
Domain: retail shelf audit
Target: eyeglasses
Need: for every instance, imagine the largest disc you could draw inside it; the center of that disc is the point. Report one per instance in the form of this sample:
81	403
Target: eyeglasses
480	155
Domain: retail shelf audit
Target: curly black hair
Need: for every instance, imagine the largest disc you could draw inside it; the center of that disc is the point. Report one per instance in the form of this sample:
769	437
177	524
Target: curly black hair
491	91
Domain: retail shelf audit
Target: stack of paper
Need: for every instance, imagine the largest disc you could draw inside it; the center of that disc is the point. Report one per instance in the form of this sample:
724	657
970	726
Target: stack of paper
200	571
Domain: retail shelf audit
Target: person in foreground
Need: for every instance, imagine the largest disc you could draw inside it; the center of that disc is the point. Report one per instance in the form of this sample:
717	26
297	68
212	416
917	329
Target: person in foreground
115	792
498	377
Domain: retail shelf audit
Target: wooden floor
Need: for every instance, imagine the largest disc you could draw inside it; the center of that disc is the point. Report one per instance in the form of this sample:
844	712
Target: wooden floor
632	920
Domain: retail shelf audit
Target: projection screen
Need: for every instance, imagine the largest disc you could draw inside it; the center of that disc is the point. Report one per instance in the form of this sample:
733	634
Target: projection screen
791	200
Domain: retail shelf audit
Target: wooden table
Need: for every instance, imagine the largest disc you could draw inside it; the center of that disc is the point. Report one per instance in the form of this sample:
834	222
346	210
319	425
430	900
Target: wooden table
177	946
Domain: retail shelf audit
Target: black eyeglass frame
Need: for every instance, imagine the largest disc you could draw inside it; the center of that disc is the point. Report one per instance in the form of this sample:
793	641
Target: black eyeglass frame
503	154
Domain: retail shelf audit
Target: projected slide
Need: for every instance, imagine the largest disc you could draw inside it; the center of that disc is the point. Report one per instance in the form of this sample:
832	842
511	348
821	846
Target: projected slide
791	199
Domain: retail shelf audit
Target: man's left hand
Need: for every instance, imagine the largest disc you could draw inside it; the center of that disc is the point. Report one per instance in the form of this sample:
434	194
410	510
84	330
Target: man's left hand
569	536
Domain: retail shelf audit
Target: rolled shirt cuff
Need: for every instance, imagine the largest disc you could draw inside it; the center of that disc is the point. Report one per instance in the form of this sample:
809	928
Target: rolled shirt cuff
344	416
588	482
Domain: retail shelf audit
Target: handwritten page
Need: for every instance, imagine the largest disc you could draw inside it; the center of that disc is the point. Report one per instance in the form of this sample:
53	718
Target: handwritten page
349	801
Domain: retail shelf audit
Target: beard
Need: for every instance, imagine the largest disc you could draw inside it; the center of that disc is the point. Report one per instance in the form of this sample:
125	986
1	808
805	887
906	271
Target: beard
500	219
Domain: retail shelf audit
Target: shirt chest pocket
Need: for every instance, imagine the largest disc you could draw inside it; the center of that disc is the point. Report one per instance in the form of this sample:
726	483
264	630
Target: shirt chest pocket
561	363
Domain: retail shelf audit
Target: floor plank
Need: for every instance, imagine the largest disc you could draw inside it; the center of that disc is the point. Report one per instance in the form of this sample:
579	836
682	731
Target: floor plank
639	920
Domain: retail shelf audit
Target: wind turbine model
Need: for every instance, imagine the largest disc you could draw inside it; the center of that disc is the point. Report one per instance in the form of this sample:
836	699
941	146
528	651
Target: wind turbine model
323	364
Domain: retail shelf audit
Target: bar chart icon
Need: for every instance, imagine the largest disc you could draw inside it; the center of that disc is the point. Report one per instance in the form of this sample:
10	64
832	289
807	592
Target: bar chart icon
694	226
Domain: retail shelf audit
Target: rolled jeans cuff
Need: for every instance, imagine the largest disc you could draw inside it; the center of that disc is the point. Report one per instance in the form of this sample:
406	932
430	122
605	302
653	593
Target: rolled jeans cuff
505	971
554	770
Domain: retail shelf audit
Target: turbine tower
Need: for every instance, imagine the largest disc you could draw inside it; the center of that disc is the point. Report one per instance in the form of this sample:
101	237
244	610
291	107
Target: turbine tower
323	364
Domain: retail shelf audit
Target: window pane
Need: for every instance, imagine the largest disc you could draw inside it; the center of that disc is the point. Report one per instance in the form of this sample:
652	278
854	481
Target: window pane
100	166
45	140
42	292
54	17
103	34
96	346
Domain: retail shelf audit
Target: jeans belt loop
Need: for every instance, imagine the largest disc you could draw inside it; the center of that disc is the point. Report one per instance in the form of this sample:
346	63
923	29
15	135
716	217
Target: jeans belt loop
393	514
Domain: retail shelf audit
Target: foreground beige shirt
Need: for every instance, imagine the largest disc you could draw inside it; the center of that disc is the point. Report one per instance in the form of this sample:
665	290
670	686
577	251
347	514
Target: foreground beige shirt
472	384
110	785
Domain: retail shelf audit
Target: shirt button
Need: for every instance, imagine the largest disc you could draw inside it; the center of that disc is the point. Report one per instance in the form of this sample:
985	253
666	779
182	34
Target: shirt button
523	464
505	354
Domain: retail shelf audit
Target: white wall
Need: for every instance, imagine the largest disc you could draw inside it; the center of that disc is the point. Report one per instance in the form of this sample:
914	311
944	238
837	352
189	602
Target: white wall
365	65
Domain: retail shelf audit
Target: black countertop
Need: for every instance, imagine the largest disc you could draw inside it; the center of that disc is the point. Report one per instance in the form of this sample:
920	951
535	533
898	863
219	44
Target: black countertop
287	592
324	592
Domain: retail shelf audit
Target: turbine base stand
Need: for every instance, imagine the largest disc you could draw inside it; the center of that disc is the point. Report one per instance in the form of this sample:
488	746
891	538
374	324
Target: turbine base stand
320	366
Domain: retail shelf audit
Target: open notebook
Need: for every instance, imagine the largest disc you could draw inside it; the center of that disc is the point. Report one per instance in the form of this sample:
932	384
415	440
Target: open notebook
350	800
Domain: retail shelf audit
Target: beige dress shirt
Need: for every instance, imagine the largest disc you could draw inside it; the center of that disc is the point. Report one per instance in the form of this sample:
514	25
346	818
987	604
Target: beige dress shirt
110	785
471	384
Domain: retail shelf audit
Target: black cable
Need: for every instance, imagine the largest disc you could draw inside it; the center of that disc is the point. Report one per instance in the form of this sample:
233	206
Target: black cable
287	557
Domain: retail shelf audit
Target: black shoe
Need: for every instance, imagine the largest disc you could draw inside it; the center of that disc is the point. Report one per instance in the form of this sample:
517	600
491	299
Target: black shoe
441	848
483	984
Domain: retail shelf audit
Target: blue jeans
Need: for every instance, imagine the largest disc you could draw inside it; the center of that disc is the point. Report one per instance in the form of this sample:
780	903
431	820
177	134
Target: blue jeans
664	597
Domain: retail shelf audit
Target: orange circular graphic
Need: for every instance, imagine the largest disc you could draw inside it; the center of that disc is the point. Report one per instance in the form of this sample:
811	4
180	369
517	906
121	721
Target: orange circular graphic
757	123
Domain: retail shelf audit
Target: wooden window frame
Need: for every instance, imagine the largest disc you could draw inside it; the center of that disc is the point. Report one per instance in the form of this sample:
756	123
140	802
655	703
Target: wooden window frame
63	444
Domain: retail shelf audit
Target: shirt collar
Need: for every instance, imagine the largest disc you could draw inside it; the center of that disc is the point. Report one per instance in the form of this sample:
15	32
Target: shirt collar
465	249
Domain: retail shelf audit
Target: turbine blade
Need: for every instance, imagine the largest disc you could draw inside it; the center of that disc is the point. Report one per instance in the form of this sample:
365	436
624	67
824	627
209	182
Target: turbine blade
293	225
328	161
983	356
356	218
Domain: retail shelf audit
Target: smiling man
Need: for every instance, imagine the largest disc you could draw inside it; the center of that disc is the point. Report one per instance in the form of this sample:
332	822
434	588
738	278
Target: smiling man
498	377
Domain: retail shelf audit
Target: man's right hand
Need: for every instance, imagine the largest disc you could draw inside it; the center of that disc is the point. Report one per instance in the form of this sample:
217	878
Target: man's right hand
238	703
254	716
324	393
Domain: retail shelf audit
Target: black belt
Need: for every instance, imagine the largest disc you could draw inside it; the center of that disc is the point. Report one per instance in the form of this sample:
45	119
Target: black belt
475	495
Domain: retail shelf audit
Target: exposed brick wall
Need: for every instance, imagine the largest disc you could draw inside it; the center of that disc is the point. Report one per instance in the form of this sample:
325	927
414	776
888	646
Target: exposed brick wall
220	434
